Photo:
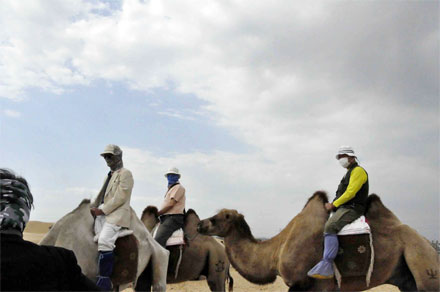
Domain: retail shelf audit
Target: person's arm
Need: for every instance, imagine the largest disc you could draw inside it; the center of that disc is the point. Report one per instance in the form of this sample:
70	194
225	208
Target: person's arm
167	207
357	178
175	195
122	193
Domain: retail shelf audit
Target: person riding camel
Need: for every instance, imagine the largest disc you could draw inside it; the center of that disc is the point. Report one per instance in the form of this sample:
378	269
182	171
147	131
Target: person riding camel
112	212
172	210
26	266
348	205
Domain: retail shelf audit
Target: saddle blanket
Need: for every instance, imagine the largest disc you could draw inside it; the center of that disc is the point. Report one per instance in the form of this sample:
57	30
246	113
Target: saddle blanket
358	226
356	254
126	260
177	238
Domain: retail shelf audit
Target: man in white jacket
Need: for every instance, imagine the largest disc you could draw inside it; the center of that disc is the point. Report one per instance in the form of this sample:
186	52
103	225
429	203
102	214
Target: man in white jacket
111	210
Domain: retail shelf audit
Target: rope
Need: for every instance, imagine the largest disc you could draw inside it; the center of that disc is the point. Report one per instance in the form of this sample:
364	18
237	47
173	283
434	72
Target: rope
178	262
370	269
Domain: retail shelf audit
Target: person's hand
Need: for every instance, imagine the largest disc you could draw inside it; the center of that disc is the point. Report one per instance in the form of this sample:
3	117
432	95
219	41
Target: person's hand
329	206
96	212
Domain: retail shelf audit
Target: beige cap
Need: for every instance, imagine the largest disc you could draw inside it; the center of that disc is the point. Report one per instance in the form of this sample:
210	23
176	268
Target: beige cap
112	149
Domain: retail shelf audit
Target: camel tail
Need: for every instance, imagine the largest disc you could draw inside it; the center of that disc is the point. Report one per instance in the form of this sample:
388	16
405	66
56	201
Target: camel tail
231	282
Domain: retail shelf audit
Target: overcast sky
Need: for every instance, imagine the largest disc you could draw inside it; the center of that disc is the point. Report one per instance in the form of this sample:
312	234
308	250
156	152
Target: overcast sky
249	99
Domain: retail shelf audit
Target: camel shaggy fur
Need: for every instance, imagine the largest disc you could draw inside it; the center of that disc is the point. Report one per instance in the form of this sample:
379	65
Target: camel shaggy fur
75	231
402	256
203	255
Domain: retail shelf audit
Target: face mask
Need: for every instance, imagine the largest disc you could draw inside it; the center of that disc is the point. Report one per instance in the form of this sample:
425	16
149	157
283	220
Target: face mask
344	162
172	178
114	162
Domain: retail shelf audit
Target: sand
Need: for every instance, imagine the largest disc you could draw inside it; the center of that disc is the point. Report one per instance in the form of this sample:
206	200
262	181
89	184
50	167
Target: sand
35	231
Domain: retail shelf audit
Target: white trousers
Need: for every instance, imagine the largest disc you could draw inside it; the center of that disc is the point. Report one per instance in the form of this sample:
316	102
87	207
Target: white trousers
107	233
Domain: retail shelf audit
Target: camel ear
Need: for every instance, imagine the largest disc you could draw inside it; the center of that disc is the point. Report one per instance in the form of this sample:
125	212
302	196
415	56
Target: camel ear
422	259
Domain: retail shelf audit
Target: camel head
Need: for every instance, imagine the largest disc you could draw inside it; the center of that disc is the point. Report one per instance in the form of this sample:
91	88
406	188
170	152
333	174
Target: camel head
220	224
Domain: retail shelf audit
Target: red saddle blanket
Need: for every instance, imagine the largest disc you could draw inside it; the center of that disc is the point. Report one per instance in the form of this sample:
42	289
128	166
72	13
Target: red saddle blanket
126	260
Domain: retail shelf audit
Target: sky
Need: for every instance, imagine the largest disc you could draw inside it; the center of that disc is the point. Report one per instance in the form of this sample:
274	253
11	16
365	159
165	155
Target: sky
249	99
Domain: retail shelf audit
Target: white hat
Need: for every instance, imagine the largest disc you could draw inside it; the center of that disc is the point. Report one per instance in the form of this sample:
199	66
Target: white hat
172	170
345	150
112	149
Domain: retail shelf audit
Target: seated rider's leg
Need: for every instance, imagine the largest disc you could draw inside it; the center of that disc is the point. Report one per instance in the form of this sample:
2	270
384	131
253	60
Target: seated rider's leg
167	227
342	217
106	245
108	236
99	223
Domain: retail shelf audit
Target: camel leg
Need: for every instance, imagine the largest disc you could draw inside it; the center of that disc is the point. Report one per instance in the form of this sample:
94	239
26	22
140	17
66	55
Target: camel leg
144	281
315	285
217	271
422	260
160	268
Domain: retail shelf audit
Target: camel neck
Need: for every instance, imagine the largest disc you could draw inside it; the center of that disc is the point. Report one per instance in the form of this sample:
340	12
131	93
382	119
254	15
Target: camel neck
253	259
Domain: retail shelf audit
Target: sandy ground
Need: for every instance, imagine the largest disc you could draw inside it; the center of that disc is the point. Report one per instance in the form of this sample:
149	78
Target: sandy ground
35	231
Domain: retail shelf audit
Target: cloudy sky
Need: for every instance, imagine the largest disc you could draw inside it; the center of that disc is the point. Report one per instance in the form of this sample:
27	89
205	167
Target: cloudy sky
249	99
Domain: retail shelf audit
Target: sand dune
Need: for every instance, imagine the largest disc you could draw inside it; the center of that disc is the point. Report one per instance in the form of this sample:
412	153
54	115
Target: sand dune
35	231
37	227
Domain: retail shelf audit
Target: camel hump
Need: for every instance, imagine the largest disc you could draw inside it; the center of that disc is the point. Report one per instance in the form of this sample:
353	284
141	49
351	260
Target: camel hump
189	213
81	205
150	210
372	198
320	195
375	205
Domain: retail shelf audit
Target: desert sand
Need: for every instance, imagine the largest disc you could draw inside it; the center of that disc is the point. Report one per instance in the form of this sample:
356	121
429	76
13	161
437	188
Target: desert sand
35	231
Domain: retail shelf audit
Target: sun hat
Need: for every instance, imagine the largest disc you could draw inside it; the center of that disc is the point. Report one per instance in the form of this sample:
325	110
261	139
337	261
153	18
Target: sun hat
345	150
112	149
173	170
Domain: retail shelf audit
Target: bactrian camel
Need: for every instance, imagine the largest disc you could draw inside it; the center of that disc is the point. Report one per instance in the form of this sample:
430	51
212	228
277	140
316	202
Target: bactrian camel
75	231
402	257
203	255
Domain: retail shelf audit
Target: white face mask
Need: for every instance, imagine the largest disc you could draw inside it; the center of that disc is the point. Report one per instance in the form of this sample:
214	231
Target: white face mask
344	162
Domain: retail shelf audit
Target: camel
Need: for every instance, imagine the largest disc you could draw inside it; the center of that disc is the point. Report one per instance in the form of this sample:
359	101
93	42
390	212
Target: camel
203	255
75	231
402	257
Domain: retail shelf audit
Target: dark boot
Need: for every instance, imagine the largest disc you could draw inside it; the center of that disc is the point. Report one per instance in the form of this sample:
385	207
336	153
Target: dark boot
324	269
105	269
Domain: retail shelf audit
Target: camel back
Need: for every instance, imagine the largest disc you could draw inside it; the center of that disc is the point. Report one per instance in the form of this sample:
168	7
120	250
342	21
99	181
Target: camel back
75	231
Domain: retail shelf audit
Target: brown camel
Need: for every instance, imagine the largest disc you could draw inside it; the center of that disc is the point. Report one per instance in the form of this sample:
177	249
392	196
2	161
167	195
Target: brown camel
402	257
202	255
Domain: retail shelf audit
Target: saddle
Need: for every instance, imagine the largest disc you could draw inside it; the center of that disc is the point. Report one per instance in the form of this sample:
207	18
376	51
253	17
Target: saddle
356	253
175	244
126	260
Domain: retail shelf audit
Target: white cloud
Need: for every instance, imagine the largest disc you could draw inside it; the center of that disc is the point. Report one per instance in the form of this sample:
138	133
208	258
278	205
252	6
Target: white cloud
12	113
293	80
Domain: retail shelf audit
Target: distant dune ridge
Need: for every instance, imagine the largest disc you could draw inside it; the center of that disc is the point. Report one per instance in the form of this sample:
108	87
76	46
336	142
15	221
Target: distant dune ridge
35	230
37	227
